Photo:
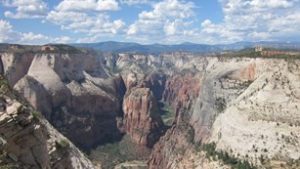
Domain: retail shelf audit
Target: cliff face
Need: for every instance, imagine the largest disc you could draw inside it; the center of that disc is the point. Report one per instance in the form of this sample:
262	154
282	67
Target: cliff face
264	118
28	141
248	107
142	119
71	92
172	147
180	92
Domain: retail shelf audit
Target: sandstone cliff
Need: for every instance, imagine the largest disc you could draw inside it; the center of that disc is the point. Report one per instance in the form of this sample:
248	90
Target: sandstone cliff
248	107
29	141
71	92
142	120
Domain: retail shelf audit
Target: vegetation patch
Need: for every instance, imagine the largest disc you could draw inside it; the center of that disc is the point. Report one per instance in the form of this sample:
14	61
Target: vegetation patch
251	53
220	104
167	113
112	154
212	153
62	144
36	115
4	87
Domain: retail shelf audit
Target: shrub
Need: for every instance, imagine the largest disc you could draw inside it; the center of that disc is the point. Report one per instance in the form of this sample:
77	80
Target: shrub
234	162
63	143
36	115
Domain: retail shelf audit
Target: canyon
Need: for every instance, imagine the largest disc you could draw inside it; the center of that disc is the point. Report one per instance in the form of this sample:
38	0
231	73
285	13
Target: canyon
176	110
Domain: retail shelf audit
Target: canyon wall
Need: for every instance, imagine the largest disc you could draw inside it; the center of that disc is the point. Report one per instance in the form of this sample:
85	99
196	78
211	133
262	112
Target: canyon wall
142	119
73	93
248	107
29	141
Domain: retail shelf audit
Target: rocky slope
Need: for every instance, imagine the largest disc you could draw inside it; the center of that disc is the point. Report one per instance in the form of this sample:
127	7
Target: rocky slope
248	107
56	82
29	141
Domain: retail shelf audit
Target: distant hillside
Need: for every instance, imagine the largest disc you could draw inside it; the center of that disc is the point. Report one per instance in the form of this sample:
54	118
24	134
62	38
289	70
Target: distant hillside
152	48
112	46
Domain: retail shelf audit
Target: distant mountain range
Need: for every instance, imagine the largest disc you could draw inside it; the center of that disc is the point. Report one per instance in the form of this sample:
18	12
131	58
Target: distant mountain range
112	46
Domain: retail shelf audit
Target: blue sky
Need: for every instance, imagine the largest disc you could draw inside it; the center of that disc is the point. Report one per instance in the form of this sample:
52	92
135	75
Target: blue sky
148	21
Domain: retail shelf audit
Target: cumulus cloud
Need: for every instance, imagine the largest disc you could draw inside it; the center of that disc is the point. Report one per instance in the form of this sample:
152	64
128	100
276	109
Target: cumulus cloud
84	23
8	35
87	16
86	5
25	8
136	2
167	21
6	32
32	38
167	18
255	20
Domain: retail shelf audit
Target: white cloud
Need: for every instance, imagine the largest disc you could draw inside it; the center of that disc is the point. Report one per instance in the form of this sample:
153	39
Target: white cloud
136	2
62	39
170	28
25	8
168	21
5	31
84	23
87	16
8	35
271	4
255	20
30	37
167	18
86	5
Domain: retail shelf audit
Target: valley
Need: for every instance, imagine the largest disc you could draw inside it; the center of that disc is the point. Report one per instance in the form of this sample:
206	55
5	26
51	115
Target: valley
172	110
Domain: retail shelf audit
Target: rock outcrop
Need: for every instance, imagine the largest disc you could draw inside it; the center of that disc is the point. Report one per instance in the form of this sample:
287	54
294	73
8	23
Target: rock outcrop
73	93
180	92
264	118
142	119
248	107
29	141
171	147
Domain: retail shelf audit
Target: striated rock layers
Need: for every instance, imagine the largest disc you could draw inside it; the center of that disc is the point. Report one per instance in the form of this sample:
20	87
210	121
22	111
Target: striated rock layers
72	90
29	141
142	119
248	107
171	147
180	92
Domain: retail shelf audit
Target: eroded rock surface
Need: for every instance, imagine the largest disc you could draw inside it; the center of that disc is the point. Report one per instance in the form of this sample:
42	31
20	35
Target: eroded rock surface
29	141
73	93
142	120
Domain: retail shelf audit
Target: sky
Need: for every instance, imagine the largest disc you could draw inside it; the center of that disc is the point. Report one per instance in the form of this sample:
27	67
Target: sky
148	21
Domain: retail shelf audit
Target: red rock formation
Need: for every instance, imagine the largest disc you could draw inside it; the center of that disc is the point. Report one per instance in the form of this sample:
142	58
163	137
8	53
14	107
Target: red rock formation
171	147
245	74
142	120
156	82
180	91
